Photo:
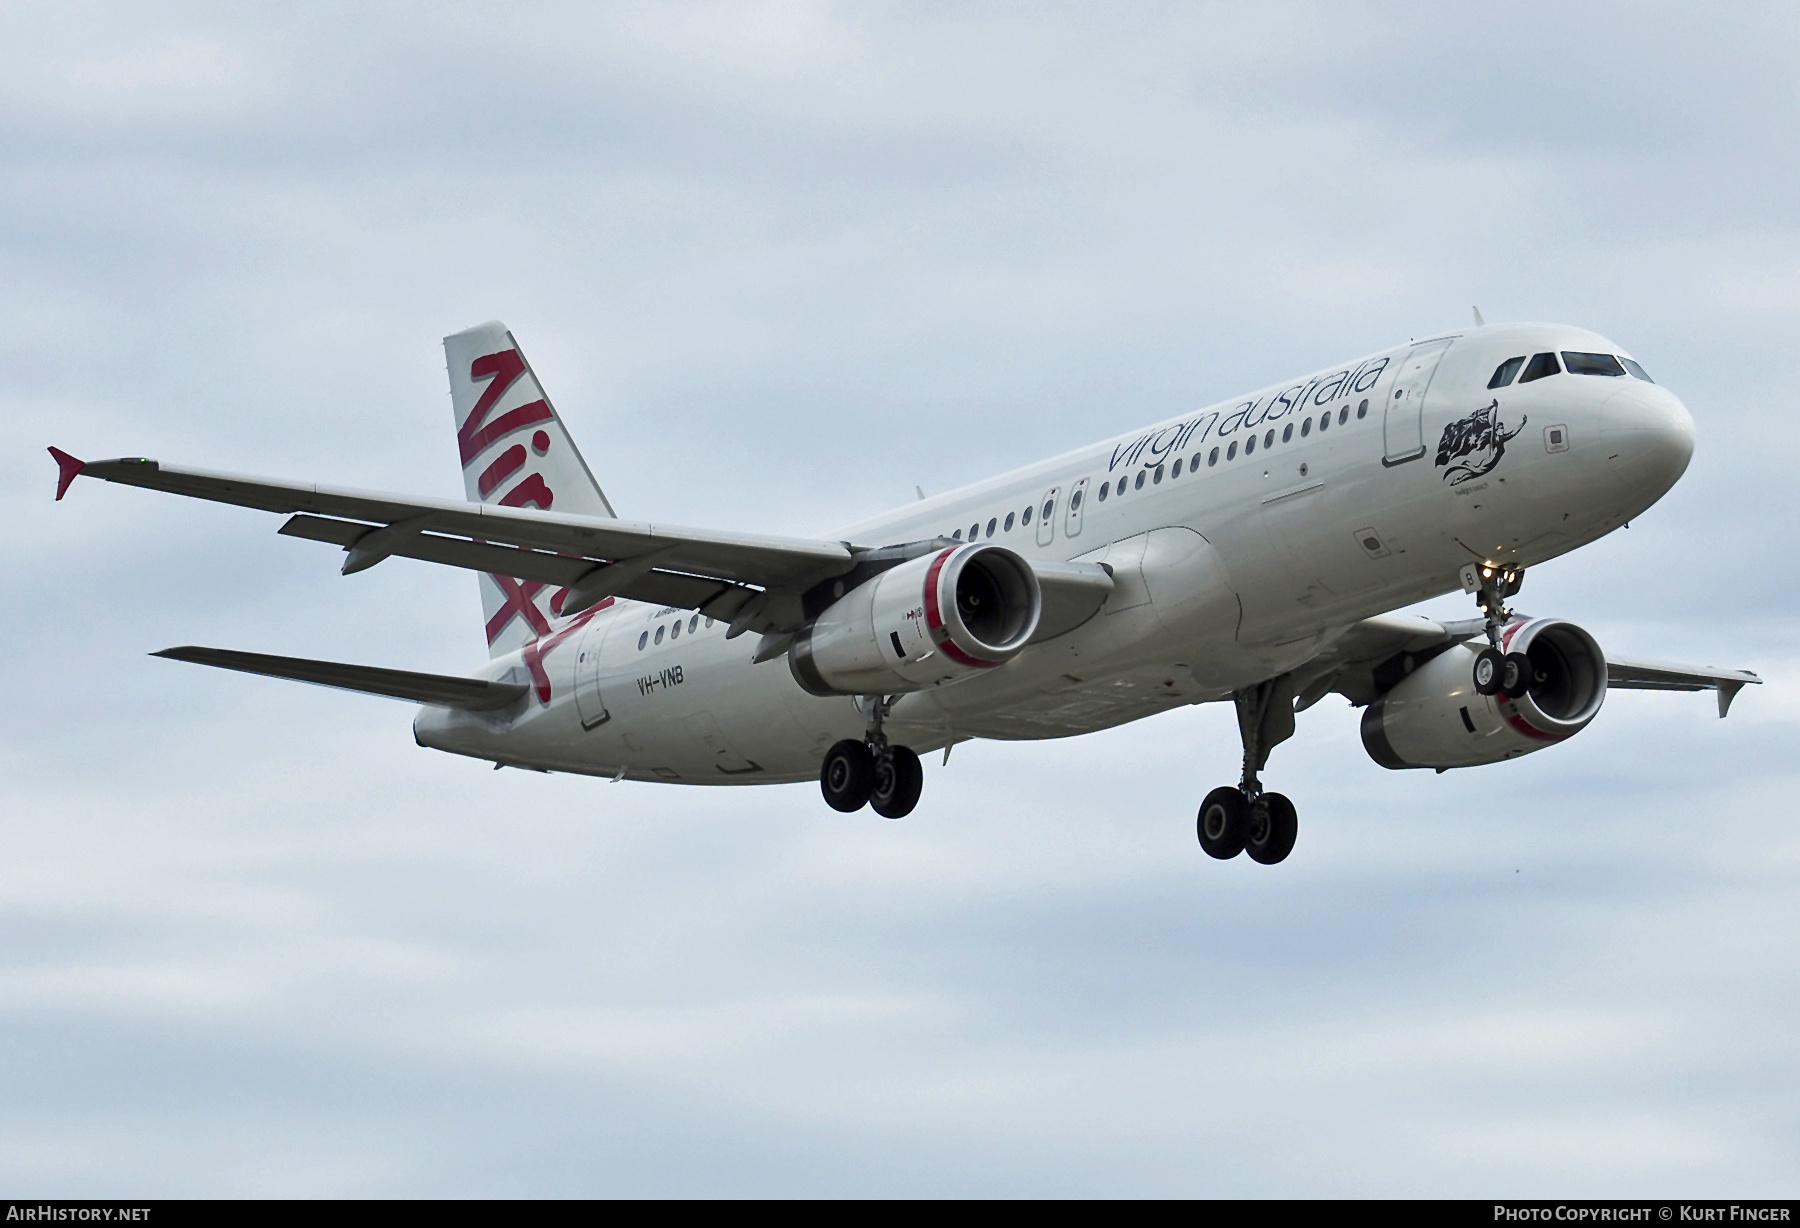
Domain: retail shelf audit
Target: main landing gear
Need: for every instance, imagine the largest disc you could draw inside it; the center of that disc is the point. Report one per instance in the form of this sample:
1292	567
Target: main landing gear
1245	819
871	772
1496	670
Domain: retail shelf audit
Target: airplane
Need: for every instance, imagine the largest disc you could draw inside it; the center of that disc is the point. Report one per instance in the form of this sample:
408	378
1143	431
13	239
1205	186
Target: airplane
1250	552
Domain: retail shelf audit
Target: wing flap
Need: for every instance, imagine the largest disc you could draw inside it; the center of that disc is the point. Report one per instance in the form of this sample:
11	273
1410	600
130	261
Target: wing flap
440	690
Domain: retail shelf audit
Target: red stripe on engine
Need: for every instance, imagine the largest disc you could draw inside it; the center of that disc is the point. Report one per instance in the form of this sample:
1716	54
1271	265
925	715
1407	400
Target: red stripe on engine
1511	712
934	618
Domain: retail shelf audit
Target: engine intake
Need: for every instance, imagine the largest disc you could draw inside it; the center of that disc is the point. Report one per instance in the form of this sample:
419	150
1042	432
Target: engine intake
1434	718
931	620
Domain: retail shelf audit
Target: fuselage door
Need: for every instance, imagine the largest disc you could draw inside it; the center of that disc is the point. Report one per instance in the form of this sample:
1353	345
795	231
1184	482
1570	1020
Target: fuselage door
1403	432
587	674
1072	518
1046	514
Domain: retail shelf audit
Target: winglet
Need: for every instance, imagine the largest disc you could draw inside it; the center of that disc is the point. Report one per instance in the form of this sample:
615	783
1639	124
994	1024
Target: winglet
68	468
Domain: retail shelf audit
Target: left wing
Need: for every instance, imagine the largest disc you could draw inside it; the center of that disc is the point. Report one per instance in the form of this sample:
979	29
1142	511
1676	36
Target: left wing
755	582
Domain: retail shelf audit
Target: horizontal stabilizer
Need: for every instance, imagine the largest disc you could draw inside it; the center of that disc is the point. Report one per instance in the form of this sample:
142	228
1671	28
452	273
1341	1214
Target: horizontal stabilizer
439	690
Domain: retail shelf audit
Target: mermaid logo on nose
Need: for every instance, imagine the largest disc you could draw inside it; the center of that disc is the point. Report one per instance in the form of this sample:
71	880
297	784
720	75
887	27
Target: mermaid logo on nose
1481	438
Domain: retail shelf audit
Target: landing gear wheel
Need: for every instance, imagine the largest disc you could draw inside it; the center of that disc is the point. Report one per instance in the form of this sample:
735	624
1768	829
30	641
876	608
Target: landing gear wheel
1488	666
897	784
1222	823
848	776
1516	672
1271	829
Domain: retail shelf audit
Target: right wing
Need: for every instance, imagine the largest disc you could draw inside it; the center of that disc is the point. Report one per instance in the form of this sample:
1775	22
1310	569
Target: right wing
1655	676
1371	656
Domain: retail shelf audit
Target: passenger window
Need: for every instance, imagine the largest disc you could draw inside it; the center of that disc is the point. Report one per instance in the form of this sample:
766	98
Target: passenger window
1231	452
1121	489
992	525
693	624
675	631
956	536
659	634
1159	471
1591	364
1139	484
1009	522
1049	504
1287	433
1105	489
1249	445
1324	419
1194	460
1306	428
1362	411
1075	501
642	640
1176	471
1269	439
1025	517
1212	458
1636	370
1504	373
1540	366
709	622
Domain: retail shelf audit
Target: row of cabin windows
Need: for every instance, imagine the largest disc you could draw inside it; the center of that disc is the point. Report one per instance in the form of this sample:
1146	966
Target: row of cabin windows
1574	362
674	630
1156	475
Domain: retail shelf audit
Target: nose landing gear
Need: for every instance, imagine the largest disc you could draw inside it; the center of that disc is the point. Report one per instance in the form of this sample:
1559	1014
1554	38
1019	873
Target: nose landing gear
873	773
1246	819
1496	670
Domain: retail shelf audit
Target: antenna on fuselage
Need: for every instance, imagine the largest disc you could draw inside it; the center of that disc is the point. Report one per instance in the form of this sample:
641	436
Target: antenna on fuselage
1479	322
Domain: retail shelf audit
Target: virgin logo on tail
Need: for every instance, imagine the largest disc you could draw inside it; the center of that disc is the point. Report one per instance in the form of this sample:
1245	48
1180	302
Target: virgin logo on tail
474	437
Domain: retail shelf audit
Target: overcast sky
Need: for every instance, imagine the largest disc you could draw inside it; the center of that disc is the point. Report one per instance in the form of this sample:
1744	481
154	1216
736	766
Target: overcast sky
777	264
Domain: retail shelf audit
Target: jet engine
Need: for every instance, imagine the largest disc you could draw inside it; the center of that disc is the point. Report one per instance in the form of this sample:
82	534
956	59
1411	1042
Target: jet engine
1435	718
931	620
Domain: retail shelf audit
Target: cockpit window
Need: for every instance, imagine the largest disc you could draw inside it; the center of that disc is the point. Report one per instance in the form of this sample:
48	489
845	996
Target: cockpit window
1504	373
1591	364
1540	366
1636	370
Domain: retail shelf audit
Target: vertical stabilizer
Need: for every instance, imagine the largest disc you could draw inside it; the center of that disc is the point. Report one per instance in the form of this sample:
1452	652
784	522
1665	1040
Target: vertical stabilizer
515	452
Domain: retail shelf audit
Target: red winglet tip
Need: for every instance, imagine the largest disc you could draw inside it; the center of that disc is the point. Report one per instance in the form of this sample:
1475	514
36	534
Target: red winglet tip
68	468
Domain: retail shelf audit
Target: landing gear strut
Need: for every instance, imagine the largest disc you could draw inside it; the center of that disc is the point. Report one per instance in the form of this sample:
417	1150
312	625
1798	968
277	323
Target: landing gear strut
872	772
1496	670
1246	819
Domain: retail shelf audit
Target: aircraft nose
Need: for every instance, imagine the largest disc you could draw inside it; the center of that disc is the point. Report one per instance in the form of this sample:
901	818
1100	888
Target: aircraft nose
1650	438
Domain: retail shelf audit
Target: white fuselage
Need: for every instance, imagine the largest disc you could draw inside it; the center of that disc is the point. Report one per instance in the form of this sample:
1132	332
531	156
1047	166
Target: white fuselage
1230	565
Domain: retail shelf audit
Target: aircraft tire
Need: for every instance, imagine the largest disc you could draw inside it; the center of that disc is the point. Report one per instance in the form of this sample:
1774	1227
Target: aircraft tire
1515	673
1269	837
898	783
847	776
1222	822
1488	667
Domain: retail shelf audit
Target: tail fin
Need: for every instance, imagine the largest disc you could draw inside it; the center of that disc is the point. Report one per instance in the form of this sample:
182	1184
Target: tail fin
515	453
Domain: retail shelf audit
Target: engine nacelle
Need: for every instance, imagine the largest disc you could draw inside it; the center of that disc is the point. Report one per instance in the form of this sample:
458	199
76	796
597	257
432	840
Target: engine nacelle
1434	718
931	620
